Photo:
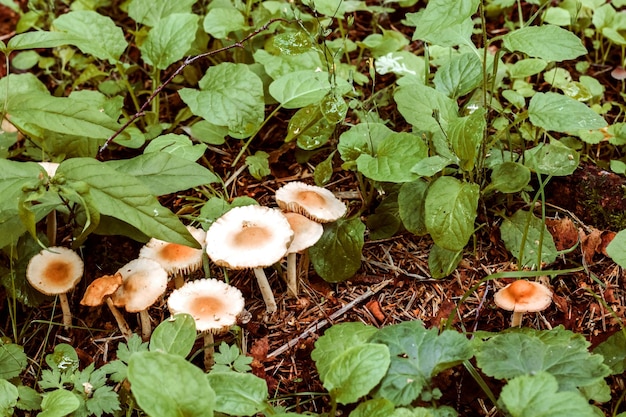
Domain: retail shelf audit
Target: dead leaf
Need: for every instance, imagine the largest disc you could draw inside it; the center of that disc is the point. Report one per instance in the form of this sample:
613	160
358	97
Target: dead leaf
563	231
590	244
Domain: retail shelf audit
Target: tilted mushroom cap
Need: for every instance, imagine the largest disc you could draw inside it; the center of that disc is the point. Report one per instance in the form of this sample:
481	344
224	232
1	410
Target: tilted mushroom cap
523	296
316	203
249	237
175	258
100	288
213	304
144	281
55	270
306	232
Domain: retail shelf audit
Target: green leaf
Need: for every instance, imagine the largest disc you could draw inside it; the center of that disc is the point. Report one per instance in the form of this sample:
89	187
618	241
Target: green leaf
523	233
450	210
442	262
393	158
417	103
509	177
167	385
526	67
238	394
175	336
58	403
215	207
220	21
616	249
459	75
336	8
613	350
96	34
178	145
465	135
362	138
537	396
40	39
548	42
546	110
169	40
417	355
277	66
310	127
356	371
29	399
527	351
208	133
302	88
337	255
150	12
432	165
165	173
14	178
377	407
126	198
411	199
323	171
13	360
440	15
258	165
230	95
553	158
337	340
385	222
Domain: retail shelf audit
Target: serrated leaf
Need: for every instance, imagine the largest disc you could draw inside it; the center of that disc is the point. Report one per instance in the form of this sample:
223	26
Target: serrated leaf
165	173
149	12
29	398
527	351
523	224
393	158
96	34
337	255
13	360
182	388
548	42
459	75
103	401
220	21
238	394
616	249
175	335
417	355
230	95
411	199
338	339
169	40
58	403
509	177
178	145
126	198
537	396
547	110
613	350
450	210
356	371
302	88
440	15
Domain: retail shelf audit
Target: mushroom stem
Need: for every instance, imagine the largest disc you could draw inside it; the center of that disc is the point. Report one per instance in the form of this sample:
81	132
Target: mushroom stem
65	308
146	325
292	274
119	318
516	319
209	351
266	290
51	228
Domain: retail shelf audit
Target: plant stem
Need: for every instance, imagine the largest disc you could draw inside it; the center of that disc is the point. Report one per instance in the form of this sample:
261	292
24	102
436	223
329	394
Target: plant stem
65	308
266	290
119	318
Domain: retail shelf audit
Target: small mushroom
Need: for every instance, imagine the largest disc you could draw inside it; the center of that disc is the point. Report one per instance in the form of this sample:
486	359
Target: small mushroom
306	233
523	296
100	291
55	271
213	304
176	259
250	237
314	202
144	281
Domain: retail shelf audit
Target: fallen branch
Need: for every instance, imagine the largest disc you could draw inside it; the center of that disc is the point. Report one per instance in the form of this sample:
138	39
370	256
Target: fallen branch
313	328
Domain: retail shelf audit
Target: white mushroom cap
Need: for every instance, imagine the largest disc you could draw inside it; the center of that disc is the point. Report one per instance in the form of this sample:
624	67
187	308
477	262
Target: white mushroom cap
316	203
144	281
523	296
249	237
55	270
213	304
175	258
306	232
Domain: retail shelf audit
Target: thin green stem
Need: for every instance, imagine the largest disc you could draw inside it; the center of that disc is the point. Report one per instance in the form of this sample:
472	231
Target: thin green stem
245	146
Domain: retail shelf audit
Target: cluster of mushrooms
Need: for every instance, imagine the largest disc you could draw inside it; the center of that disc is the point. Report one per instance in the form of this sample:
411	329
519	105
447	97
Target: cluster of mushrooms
245	237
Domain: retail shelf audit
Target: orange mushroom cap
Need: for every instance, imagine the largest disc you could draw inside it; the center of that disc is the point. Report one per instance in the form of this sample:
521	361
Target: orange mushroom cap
523	296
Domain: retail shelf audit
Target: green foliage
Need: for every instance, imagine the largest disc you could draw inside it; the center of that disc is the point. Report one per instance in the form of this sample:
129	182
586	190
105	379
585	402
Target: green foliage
175	336
528	239
229	358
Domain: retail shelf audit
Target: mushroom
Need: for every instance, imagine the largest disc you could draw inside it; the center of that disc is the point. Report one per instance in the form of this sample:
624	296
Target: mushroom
306	233
100	291
314	202
213	304
55	271
176	259
143	282
523	296
250	237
